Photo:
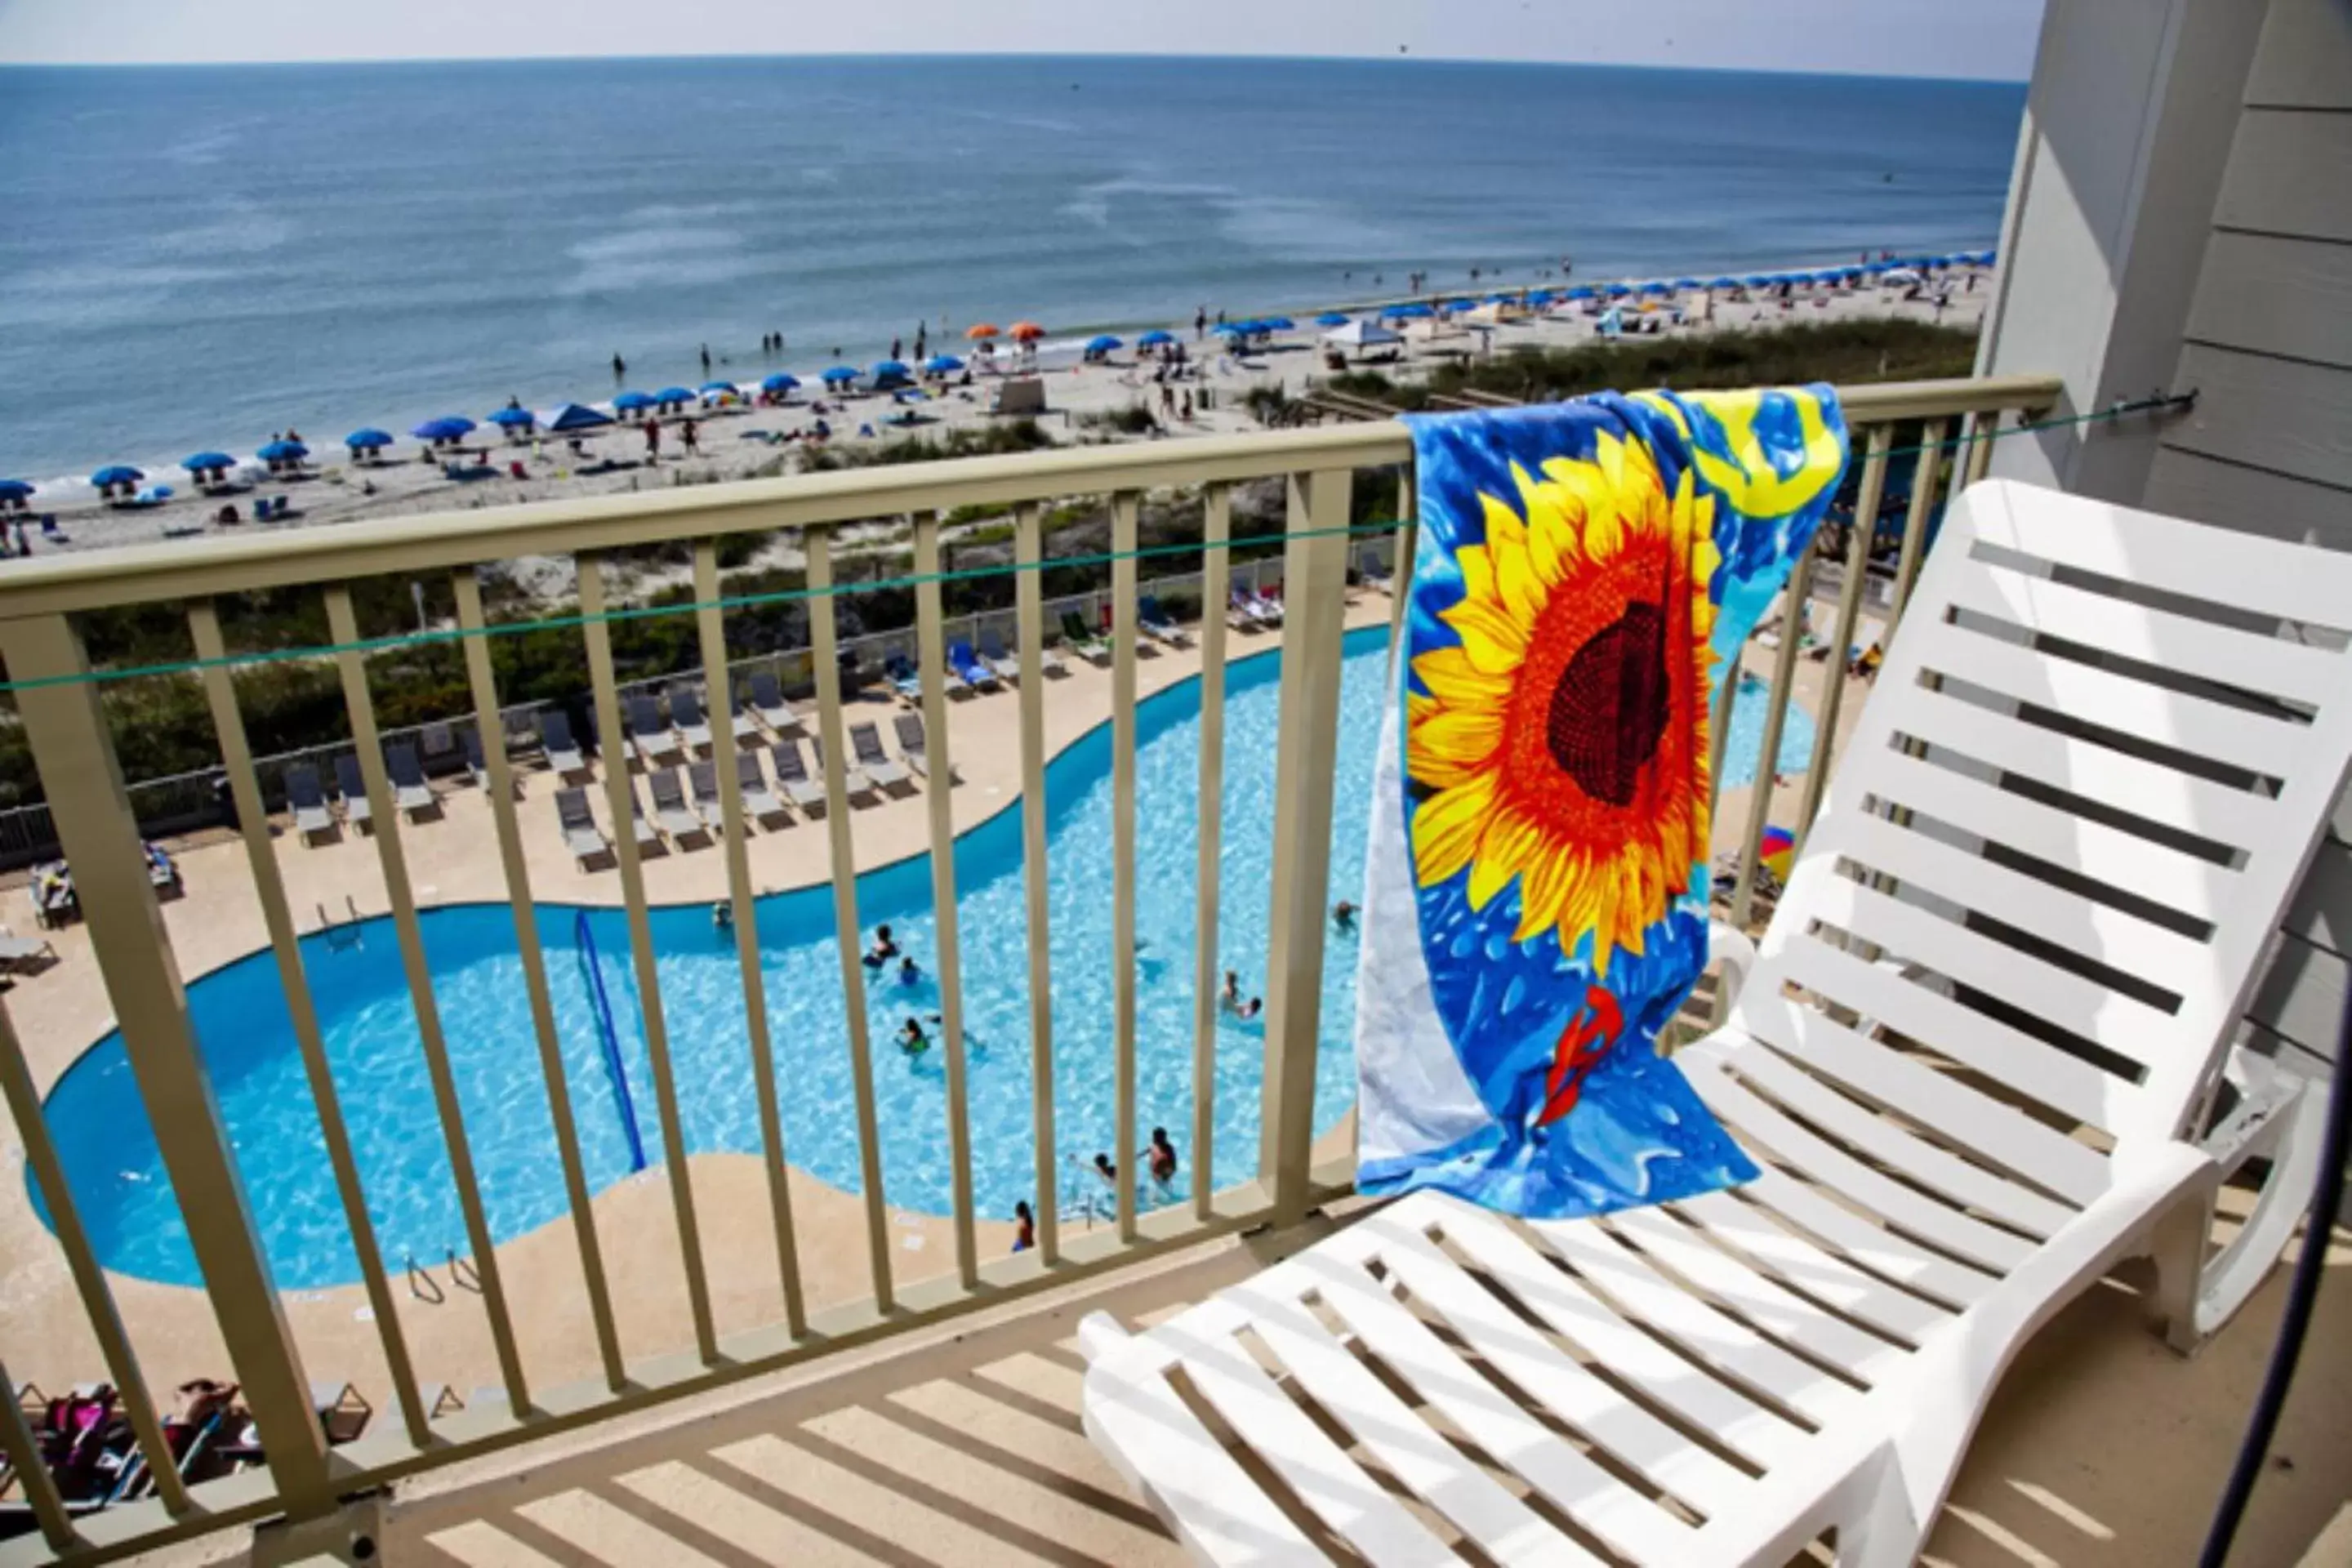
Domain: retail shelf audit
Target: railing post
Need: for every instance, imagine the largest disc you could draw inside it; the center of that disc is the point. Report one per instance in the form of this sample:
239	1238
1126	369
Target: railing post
1315	580
82	780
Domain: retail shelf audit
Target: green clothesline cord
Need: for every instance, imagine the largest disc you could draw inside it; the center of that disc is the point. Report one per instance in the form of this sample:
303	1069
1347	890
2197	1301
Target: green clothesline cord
803	594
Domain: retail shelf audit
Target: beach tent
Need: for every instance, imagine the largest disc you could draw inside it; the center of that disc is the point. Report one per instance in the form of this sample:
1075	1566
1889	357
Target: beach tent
1330	319
782	381
942	365
576	416
1901	278
891	373
1360	335
1155	338
1495	313
632	402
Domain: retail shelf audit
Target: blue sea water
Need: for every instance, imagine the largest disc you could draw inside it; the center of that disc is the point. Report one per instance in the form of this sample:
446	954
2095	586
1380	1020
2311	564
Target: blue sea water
125	1198
197	257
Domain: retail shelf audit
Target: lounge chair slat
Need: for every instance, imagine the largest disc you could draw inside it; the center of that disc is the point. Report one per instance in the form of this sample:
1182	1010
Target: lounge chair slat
1744	1229
1868	1244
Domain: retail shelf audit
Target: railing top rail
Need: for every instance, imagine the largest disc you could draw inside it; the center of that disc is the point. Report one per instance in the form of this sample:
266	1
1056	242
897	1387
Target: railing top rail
141	574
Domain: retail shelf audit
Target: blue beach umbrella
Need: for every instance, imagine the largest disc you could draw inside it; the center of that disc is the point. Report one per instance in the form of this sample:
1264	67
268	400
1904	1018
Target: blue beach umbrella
1758	280
728	386
1418	312
1619	291
577	416
1875	268
1581	291
1723	282
1278	324
631	401
1654	286
513	419
1687	283
369	439
1230	329
116	474
891	369
1541	297
1939	260
1102	343
1330	319
782	381
942	365
673	397
448	428
15	490
1155	338
283	452
839	375
206	462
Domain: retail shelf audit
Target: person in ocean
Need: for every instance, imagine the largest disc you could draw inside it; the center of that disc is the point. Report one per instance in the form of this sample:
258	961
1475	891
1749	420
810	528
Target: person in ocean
909	972
912	1037
1160	1155
884	949
1024	1226
620	367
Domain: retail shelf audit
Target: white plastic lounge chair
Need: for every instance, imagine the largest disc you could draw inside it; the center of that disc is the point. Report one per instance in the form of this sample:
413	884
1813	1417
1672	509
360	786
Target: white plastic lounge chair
793	776
357	810
23	951
760	803
312	818
410	792
649	736
704	777
686	713
671	814
563	751
1956	1139
768	702
866	745
578	825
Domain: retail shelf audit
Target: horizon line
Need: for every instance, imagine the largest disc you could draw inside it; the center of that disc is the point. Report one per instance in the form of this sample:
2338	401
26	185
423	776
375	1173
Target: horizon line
681	56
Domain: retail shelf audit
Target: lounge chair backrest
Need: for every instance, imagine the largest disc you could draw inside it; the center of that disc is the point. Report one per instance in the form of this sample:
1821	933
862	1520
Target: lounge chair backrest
571	808
2073	856
910	732
992	645
1074	626
644	716
748	772
790	766
555	731
705	780
348	778
960	655
866	743
302	786
400	760
764	692
472	742
667	790
684	707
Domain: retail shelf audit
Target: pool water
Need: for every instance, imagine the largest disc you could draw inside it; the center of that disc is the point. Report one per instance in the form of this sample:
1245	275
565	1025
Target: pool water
109	1149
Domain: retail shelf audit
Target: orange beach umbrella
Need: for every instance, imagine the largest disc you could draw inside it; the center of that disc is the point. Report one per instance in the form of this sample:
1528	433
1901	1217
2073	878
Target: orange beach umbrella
982	333
1027	332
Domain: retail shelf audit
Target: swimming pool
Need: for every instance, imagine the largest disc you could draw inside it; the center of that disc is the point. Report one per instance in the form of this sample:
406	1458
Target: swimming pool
109	1149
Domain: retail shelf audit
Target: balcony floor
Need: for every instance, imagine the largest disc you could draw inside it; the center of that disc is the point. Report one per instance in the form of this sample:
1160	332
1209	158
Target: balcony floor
964	1446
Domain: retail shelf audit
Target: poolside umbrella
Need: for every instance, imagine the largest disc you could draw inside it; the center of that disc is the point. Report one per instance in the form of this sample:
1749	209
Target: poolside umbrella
513	419
1102	343
632	403
367	441
1027	332
839	375
782	381
942	365
577	416
204	463
1330	319
1155	338
982	332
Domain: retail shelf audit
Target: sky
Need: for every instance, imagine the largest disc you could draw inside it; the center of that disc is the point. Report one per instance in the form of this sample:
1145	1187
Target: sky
1991	39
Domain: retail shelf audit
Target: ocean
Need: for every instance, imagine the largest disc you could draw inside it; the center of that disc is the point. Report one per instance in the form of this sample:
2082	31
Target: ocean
198	256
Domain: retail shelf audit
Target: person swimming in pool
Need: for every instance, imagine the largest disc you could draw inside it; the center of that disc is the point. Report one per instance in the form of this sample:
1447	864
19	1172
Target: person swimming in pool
723	916
884	949
1230	999
912	1039
1107	1171
909	972
1343	918
1162	1154
1024	1226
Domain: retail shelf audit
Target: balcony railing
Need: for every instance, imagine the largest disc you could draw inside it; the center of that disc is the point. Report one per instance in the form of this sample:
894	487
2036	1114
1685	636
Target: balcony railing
304	1474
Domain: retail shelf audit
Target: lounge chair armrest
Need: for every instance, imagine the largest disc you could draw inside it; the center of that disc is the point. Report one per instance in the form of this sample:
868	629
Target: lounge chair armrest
1730	946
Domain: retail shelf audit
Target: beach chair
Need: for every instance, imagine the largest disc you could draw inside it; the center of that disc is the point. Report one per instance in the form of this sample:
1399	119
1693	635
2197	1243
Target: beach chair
646	834
760	803
20	954
855	783
561	751
908	681
1238	613
768	702
1095	650
358	812
436	743
686	715
1156	625
793	778
650	737
966	665
1375	575
866	745
914	745
410	792
578	825
478	766
1006	661
704	777
742	724
1972	1058
312	818
671	814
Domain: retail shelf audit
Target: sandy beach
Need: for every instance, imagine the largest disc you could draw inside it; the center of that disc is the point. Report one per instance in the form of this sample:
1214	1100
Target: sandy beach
740	441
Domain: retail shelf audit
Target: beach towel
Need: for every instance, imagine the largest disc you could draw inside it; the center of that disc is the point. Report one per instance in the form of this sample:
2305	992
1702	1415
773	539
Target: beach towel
1535	905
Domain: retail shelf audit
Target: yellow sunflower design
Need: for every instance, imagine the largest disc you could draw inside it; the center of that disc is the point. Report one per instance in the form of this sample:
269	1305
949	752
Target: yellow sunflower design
1562	743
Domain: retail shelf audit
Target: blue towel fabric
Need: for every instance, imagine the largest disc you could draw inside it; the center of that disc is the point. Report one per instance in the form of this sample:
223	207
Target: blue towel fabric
1536	889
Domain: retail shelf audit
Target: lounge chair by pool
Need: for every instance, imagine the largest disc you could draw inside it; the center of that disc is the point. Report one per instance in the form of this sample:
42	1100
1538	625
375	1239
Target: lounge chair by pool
649	736
563	751
768	702
578	825
792	774
854	780
312	818
760	803
410	792
1095	650
866	745
647	835
1157	624
686	713
357	811
671	813
704	776
21	953
1006	661
967	666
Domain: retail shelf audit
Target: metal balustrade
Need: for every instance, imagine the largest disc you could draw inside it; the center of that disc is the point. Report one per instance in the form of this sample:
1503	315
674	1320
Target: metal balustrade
96	824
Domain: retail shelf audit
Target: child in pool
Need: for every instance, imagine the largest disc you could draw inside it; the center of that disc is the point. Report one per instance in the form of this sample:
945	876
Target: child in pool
912	1040
909	972
884	949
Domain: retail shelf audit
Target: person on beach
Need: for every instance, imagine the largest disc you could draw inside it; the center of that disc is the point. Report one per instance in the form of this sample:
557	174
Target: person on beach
653	440
921	340
1167	401
1187	406
687	433
1200	323
1024	1226
894	349
1161	1153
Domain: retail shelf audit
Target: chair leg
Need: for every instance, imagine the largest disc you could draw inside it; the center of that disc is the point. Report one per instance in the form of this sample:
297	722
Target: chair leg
2198	1295
1878	1529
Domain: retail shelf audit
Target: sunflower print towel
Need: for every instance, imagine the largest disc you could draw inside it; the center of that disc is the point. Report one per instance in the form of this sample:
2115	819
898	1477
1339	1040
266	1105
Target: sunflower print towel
1536	893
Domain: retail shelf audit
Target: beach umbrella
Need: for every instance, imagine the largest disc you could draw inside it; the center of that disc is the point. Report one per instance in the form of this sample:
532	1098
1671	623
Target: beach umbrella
1619	291
1277	324
722	386
1418	312
1581	291
1654	287
1541	297
1939	261
448	428
983	331
1688	283
206	462
891	369
116	474
1758	280
1723	282
839	375
1330	319
1777	851
513	419
1102	343
15	490
632	402
1229	330
1155	338
673	396
782	381
942	365
1027	332
577	416
368	439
